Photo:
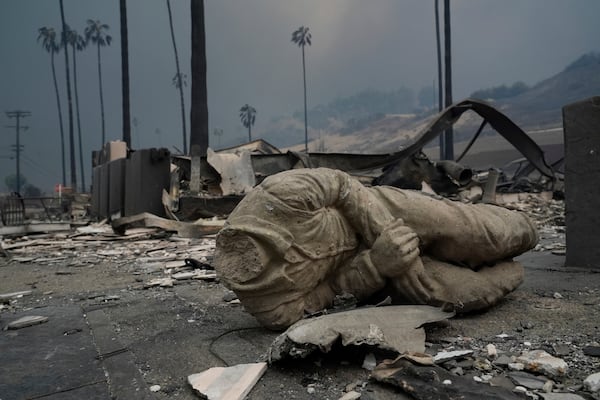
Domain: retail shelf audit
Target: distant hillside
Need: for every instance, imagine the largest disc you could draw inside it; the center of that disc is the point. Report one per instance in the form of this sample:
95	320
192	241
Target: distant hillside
535	108
541	106
375	129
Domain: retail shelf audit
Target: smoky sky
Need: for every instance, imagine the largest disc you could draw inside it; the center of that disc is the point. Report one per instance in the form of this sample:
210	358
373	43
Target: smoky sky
357	45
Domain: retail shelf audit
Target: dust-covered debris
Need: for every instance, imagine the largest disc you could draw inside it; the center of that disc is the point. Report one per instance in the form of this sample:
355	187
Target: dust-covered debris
395	328
231	383
27	321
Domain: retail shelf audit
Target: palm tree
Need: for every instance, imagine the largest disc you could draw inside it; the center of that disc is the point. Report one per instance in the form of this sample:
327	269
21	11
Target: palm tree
179	79
77	43
439	65
247	116
302	37
126	115
96	33
449	135
199	107
50	44
69	102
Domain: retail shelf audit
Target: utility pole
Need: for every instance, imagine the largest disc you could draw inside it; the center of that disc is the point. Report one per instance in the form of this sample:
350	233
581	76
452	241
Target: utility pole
18	114
449	134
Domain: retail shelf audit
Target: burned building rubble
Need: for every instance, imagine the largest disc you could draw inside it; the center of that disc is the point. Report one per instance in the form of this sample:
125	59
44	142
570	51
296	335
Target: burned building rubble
541	342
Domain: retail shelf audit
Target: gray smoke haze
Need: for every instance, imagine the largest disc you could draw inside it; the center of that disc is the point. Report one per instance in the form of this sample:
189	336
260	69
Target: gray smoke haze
378	44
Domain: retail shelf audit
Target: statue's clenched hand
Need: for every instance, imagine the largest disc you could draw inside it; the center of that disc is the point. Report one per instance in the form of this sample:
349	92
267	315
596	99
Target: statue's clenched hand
395	254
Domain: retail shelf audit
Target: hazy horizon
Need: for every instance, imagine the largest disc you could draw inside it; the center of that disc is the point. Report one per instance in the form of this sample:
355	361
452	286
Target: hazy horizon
381	45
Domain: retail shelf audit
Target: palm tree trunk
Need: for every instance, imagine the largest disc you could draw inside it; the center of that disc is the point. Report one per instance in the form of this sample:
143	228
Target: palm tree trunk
305	117
101	97
249	133
81	167
60	120
439	65
199	108
449	139
70	103
178	78
125	74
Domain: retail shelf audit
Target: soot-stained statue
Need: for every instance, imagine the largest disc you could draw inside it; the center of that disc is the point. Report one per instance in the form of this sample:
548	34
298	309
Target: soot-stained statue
303	236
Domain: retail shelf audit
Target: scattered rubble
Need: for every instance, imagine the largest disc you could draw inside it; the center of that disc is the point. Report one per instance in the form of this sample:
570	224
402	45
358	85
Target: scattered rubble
152	255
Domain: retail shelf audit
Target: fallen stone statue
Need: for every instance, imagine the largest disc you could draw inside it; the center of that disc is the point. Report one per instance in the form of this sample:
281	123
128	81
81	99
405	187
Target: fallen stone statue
306	235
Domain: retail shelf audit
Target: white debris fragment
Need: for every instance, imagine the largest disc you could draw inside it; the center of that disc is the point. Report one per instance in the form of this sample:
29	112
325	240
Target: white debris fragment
353	395
491	351
444	356
520	389
162	282
541	362
15	295
557	295
183	275
447	382
592	383
369	362
29	320
155	388
516	366
205	274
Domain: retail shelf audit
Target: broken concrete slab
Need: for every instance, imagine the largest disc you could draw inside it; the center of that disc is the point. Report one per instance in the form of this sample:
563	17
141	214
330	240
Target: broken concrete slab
27	321
227	383
395	328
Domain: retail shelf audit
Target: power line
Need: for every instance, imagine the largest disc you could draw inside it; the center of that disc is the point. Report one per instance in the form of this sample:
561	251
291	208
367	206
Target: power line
40	168
18	114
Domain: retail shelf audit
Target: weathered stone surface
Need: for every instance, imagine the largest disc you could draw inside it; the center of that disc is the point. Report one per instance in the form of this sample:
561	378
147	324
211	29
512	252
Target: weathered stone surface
592	382
541	362
27	321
